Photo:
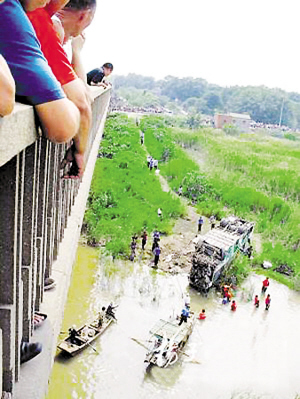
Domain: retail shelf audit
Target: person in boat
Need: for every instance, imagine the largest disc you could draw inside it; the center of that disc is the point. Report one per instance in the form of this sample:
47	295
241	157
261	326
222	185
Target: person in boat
101	317
73	333
265	285
202	315
268	302
256	301
187	300
185	313
110	311
233	306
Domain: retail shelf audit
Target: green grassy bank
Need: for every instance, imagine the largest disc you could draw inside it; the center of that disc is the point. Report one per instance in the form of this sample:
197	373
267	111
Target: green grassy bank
250	175
125	195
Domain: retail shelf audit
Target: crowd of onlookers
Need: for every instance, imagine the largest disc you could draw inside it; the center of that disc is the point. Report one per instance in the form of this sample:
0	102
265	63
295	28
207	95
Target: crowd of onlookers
35	70
140	110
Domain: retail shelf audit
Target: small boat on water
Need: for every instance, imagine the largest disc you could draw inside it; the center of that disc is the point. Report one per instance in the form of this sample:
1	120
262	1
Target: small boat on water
85	335
167	341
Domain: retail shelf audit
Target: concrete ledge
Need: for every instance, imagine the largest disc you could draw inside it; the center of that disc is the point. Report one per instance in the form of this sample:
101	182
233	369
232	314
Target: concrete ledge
17	131
34	376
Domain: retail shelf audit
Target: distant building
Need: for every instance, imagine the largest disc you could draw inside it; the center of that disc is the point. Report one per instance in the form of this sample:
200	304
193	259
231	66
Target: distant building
242	121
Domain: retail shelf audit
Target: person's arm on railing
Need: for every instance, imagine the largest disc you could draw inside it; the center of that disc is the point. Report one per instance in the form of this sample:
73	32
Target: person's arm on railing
7	89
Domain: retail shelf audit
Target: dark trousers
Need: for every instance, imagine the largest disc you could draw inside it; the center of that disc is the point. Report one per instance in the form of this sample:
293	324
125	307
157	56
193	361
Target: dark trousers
264	289
199	227
143	244
213	225
156	259
182	319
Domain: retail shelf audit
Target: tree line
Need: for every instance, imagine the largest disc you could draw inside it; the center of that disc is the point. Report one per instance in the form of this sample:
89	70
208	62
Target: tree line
197	96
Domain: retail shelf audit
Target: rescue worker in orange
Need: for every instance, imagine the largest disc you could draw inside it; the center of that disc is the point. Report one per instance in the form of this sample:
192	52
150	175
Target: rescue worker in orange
233	306
202	315
256	301
265	285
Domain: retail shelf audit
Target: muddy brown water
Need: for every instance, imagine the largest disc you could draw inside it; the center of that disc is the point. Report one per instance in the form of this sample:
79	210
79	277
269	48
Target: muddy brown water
250	353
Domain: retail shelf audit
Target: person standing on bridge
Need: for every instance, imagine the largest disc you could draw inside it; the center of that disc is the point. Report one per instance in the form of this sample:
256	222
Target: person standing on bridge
97	76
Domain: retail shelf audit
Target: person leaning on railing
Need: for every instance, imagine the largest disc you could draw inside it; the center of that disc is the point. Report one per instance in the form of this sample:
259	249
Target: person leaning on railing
35	82
71	18
7	89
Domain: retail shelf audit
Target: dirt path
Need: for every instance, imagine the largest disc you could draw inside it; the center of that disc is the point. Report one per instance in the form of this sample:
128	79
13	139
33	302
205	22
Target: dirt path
177	249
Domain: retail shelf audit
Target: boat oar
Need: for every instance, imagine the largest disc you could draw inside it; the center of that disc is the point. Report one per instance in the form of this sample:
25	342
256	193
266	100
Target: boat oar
94	349
192	361
139	342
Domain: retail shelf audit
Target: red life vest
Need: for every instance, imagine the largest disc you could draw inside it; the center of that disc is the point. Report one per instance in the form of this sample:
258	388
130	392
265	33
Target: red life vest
233	306
202	316
266	283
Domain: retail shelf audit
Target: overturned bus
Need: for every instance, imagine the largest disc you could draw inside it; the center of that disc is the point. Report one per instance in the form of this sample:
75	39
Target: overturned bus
215	250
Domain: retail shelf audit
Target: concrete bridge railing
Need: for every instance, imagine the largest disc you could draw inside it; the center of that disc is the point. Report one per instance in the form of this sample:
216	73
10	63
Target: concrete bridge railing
39	211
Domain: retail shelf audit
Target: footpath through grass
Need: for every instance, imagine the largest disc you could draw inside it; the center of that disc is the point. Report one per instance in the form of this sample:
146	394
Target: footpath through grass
250	175
125	195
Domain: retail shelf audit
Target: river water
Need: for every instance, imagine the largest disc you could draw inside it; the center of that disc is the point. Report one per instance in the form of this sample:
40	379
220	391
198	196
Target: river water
250	353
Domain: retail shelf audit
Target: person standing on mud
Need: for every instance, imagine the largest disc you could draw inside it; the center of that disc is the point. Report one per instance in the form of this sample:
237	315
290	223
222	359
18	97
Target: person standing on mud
256	301
212	221
144	240
233	306
156	255
268	302
200	223
265	285
156	239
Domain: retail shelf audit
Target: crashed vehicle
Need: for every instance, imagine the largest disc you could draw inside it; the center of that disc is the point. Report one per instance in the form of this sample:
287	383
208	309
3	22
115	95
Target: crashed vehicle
215	251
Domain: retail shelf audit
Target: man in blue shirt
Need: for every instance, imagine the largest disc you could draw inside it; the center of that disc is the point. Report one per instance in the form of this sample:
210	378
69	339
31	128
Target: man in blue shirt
184	315
35	82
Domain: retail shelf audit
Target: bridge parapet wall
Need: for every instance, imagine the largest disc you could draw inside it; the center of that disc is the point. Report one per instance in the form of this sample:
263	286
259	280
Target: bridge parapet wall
36	208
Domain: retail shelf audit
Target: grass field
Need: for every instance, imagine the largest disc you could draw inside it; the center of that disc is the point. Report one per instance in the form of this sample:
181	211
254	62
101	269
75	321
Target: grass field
251	175
125	195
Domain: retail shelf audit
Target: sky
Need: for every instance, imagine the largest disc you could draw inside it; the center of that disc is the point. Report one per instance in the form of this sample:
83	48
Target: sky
226	42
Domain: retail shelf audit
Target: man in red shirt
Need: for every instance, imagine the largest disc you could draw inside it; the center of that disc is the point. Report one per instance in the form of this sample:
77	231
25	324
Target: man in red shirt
265	285
81	14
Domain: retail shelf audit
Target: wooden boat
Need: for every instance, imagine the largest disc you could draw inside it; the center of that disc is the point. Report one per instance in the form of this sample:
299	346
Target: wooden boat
86	335
167	341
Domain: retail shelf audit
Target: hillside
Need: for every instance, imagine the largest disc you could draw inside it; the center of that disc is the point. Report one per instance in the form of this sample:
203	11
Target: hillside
197	96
